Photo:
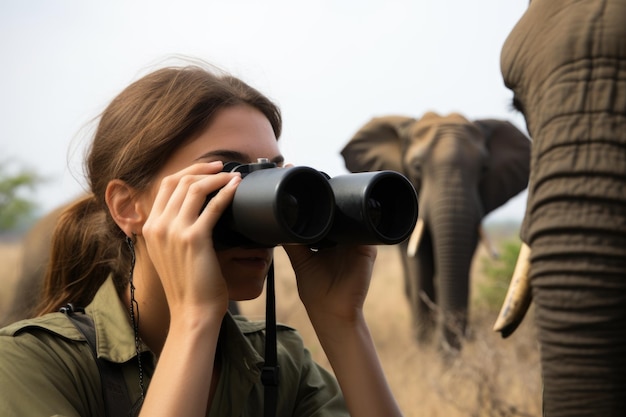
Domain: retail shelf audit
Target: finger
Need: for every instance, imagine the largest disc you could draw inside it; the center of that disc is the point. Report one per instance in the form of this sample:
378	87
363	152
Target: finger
207	187
171	182
183	207
218	204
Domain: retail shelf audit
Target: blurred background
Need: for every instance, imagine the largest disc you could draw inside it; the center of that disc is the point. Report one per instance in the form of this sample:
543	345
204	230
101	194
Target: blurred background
330	65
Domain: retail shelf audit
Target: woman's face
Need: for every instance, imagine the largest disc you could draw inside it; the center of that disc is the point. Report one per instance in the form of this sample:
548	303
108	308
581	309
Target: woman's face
242	134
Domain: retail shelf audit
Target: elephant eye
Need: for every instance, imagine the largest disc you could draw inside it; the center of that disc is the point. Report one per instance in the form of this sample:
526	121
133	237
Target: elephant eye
416	168
485	168
517	105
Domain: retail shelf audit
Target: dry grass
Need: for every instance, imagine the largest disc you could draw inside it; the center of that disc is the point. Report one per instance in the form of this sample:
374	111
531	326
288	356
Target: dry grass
492	376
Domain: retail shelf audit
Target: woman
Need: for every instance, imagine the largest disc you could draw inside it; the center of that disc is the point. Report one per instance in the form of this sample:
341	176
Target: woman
139	254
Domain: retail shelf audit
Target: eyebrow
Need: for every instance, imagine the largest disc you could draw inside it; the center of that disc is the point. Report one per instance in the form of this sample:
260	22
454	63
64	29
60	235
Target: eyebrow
234	156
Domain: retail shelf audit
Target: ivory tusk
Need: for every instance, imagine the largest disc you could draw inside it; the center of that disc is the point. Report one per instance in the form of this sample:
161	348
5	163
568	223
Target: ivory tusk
416	237
518	296
484	238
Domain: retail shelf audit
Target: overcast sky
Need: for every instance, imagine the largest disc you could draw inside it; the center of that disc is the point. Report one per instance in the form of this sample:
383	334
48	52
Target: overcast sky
330	65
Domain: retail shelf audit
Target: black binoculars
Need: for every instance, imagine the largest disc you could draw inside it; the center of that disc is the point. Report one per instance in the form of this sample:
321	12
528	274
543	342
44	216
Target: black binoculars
300	205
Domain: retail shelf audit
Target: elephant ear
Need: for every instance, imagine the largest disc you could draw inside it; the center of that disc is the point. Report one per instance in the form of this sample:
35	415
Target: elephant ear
378	145
509	163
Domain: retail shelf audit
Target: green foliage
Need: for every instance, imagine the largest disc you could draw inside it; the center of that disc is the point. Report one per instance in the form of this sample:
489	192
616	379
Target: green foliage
15	209
497	274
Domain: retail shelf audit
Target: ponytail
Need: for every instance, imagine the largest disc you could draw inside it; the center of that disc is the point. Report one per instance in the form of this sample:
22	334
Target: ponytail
84	253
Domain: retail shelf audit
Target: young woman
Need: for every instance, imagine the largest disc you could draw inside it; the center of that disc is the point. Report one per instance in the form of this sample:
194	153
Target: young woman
138	253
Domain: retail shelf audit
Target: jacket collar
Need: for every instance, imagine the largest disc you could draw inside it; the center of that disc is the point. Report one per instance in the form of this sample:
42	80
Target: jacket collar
115	338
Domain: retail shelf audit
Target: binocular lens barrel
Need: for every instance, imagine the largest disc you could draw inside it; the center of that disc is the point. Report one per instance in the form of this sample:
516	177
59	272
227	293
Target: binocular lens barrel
373	208
283	205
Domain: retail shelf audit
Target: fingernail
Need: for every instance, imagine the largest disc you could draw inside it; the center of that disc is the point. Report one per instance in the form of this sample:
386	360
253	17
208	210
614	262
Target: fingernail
235	179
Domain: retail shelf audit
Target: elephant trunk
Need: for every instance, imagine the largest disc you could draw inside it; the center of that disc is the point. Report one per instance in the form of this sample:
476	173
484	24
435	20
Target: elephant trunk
576	227
455	217
579	288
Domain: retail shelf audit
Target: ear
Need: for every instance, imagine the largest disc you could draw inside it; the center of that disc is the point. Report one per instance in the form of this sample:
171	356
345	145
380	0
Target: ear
121	199
509	163
378	145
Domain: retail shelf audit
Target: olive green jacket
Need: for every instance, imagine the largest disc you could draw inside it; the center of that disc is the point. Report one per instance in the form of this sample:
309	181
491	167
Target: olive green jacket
47	368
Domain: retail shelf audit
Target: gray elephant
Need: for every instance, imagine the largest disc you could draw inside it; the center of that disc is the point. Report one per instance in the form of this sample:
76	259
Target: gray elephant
36	246
35	254
462	171
565	62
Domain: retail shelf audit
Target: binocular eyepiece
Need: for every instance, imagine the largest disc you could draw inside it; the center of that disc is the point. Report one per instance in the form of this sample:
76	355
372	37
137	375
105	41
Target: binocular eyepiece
300	205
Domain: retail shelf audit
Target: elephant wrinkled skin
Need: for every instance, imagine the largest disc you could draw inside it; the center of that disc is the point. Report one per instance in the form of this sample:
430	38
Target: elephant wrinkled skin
462	171
565	62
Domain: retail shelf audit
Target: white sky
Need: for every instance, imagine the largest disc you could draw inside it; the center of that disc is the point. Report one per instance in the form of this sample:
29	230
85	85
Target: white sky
330	65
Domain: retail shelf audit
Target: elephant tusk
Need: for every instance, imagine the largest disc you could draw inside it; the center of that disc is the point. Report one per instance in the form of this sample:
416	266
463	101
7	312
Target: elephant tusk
416	237
518	296
484	238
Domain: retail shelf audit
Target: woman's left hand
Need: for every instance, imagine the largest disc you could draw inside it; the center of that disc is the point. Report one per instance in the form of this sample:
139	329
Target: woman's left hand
333	282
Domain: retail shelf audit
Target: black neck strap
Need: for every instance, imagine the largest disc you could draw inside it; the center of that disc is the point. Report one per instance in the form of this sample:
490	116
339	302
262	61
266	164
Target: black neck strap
116	398
269	374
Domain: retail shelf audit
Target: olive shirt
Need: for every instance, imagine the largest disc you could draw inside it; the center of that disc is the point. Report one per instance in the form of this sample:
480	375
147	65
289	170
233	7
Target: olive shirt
47	368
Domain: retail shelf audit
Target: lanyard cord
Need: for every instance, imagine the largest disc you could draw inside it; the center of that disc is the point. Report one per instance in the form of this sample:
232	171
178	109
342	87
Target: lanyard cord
134	317
269	374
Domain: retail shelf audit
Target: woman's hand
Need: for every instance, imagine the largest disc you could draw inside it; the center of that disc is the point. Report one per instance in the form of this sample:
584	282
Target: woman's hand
333	282
178	235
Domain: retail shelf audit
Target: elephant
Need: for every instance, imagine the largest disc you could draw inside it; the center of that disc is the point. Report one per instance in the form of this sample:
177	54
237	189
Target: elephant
36	246
565	62
462	170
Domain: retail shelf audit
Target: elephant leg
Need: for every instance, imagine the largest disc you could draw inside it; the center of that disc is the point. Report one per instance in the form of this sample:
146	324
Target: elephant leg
26	295
420	290
408	269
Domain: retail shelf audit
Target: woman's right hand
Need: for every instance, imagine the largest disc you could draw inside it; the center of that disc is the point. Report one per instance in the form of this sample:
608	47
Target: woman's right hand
178	238
178	235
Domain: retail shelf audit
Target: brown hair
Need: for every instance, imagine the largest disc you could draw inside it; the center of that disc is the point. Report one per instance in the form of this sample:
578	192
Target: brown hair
135	136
